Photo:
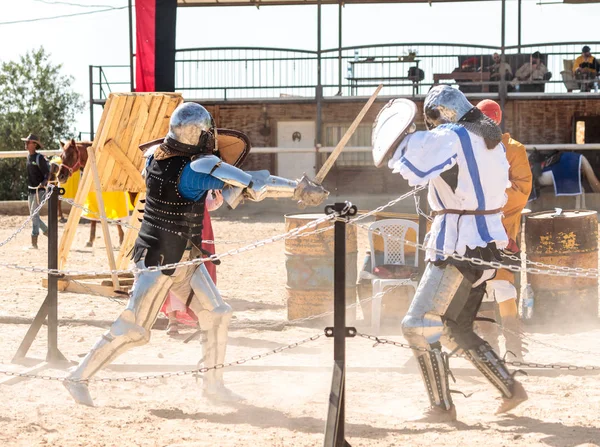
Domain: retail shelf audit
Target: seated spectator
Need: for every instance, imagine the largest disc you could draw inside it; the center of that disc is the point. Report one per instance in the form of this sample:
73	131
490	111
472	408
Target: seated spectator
585	68
470	64
499	69
531	71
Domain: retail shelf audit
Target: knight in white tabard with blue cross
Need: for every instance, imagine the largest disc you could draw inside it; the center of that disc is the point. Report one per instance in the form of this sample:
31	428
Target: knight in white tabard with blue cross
463	161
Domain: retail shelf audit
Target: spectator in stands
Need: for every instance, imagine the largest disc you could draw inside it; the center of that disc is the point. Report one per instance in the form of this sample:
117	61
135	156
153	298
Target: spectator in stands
531	71
499	69
585	69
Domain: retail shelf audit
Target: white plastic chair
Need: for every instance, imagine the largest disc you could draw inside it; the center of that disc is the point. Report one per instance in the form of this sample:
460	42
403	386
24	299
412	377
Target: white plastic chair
393	232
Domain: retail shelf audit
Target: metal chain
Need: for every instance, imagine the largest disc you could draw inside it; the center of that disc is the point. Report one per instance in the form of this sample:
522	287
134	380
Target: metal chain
419	210
388	205
383	341
543	343
288	235
34	213
492	264
169	374
549	266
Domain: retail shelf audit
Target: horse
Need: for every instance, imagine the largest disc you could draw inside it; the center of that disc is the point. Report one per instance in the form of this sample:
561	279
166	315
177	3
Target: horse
74	157
542	175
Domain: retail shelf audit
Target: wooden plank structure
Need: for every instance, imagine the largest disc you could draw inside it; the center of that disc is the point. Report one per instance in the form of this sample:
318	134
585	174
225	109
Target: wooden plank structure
115	164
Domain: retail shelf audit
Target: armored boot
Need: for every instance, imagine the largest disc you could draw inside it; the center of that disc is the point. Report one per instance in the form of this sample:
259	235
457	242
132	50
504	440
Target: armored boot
494	369
435	372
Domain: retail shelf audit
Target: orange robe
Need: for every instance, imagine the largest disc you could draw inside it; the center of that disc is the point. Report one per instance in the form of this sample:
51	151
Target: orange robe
519	174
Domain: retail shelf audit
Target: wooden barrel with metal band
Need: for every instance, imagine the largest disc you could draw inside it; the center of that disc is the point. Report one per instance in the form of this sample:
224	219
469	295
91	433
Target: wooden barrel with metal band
568	239
309	266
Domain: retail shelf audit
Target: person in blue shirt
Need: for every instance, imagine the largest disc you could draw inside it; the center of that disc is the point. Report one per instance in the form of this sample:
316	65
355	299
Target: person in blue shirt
179	173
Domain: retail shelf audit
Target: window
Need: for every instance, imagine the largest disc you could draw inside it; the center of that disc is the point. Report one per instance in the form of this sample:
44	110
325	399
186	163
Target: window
333	133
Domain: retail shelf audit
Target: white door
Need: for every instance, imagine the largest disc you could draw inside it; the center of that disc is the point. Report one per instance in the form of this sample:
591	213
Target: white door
294	135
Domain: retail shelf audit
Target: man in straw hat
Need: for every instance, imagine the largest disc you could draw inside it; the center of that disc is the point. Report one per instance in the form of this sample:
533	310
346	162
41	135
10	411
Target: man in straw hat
37	177
180	171
461	159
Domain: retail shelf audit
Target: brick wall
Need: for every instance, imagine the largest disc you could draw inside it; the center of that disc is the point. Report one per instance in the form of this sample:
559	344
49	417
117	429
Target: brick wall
541	121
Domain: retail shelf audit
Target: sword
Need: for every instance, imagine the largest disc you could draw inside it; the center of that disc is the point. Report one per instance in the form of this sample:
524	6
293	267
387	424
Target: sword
305	185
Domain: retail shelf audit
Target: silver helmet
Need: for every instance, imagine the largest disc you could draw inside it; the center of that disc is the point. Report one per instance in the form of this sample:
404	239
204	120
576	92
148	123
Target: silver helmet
191	129
444	104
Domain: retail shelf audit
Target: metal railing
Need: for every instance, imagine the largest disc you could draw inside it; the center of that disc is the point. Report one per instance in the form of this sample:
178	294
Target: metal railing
261	72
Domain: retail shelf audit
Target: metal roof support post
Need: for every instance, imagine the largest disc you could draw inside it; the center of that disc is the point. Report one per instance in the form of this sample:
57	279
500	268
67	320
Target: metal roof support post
319	92
519	26
340	49
503	61
91	76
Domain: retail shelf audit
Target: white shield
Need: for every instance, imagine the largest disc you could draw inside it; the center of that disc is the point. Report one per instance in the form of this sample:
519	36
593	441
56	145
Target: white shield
393	123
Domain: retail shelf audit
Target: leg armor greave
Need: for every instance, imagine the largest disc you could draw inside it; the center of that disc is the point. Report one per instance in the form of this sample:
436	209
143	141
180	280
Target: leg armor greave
422	327
132	328
214	316
434	370
492	367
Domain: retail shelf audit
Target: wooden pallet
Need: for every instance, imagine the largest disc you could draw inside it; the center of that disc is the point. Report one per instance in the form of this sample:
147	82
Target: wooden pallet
115	164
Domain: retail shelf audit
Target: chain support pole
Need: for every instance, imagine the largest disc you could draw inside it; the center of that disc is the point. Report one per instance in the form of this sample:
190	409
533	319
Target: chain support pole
334	429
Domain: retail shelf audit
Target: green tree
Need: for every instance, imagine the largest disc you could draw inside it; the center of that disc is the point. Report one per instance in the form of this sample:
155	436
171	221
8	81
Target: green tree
34	98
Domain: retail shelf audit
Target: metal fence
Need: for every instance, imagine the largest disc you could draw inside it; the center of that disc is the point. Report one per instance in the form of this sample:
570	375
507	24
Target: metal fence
245	72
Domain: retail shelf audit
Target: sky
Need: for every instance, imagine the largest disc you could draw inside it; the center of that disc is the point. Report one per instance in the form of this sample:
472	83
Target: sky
103	38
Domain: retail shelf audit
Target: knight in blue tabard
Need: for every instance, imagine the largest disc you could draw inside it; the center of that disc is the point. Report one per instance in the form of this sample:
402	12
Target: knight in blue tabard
462	160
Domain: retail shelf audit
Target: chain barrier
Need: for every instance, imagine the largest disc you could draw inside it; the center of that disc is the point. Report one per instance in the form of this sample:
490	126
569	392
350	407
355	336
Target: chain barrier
169	374
548	266
35	212
545	344
382	341
558	271
288	235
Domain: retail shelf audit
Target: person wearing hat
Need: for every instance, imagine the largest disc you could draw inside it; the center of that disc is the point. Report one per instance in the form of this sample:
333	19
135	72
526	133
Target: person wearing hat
37	177
585	68
501	289
534	70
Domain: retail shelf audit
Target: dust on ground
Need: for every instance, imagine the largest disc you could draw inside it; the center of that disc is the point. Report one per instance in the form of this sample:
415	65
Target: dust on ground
286	395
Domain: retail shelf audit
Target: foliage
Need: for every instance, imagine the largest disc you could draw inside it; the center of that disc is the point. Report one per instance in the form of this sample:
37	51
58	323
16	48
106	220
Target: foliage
34	98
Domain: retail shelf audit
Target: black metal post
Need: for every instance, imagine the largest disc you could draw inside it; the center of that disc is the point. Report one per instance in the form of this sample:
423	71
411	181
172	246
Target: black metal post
52	279
335	428
131	78
53	354
91	102
503	61
340	50
319	92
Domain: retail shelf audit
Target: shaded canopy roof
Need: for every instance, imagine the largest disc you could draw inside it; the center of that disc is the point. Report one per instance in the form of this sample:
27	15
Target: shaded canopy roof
302	2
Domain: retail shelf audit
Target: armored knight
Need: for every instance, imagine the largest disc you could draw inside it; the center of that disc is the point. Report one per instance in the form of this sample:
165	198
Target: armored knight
461	159
179	173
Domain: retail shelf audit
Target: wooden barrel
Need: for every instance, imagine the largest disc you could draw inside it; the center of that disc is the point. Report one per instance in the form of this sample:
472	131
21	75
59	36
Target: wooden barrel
569	239
309	265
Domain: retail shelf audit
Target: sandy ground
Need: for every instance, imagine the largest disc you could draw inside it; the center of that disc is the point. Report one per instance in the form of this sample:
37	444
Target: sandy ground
286	395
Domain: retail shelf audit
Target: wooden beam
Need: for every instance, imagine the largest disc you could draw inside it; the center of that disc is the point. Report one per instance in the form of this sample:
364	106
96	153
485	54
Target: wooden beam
131	234
125	163
102	211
